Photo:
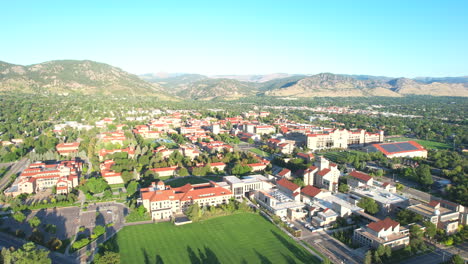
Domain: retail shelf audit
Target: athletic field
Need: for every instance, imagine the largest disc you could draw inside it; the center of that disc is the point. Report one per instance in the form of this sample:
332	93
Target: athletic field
240	238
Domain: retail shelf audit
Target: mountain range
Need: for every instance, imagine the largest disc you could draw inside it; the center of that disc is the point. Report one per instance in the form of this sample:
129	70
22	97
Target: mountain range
89	77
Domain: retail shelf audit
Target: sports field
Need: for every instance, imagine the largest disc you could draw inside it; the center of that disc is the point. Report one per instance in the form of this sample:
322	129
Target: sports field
182	181
425	143
240	238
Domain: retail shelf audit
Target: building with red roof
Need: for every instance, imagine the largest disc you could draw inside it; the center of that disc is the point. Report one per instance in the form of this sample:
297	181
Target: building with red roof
359	179
341	138
289	188
110	175
68	149
385	232
164	201
40	176
407	149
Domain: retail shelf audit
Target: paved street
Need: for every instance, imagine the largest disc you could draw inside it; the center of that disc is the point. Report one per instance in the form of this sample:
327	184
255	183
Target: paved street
16	168
11	241
333	249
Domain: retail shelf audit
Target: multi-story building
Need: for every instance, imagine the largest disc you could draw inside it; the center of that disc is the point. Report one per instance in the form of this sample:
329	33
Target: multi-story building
323	175
242	187
342	138
384	232
41	175
164	201
104	152
146	132
408	149
167	171
116	137
388	202
358	179
108	174
443	218
68	149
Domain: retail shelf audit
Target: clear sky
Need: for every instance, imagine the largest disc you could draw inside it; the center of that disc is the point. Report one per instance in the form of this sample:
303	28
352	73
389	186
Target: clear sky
379	37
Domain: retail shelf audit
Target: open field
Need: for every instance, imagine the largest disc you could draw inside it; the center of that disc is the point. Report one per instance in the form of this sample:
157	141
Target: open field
425	143
240	238
185	180
336	155
260	152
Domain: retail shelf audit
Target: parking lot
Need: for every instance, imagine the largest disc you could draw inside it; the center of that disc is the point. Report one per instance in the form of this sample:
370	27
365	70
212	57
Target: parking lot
65	219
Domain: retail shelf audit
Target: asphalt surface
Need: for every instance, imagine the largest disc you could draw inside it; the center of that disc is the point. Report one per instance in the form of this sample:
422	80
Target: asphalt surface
11	241
17	167
332	248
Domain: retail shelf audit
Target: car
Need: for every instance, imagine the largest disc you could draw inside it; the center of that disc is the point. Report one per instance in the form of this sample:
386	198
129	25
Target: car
109	211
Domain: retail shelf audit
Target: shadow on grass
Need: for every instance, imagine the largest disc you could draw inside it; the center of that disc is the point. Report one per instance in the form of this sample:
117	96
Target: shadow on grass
263	259
202	257
298	252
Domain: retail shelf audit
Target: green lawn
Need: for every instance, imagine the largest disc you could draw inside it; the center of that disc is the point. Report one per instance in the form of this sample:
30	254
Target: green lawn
214	178
183	181
239	238
260	152
335	155
425	143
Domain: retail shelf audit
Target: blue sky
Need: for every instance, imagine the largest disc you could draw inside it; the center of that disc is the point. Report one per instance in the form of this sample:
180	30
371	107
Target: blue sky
393	38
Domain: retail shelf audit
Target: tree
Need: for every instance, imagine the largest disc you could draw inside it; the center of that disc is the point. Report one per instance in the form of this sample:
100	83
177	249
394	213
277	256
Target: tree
424	174
407	217
368	257
34	222
99	230
431	229
108	257
456	259
132	188
183	172
344	188
19	217
54	243
25	255
369	205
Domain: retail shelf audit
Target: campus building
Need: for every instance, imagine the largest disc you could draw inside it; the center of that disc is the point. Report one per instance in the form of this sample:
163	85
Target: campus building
323	175
41	175
164	201
242	187
408	149
388	202
110	175
384	232
67	149
442	217
342	138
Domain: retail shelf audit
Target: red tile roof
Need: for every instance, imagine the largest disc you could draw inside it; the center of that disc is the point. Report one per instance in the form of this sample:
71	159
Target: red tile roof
283	172
383	224
381	149
288	185
311	191
323	172
360	175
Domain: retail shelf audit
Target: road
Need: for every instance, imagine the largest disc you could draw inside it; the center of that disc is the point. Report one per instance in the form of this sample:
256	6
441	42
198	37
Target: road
333	249
436	257
11	241
17	167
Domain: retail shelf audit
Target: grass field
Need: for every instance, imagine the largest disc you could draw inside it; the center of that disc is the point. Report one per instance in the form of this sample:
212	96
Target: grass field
335	155
240	238
425	143
183	181
214	178
260	152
